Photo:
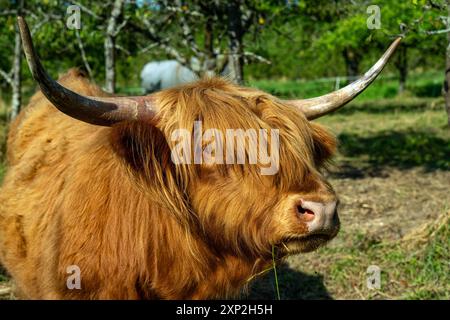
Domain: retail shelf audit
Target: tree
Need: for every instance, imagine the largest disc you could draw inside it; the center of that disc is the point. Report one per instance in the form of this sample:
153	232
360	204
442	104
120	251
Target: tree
447	66
401	17
205	36
343	30
106	17
436	22
235	36
14	77
112	30
40	14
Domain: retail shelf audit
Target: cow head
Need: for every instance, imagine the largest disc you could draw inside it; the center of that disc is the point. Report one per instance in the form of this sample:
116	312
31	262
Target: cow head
231	205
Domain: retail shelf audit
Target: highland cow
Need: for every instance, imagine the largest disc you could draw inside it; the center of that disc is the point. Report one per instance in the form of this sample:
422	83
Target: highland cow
165	74
91	186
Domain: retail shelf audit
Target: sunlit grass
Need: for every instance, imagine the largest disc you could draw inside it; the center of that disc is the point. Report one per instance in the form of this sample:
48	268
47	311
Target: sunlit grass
412	269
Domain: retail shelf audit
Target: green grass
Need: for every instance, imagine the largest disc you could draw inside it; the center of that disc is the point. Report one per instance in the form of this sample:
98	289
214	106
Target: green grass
275	273
402	135
410	270
414	269
385	87
429	270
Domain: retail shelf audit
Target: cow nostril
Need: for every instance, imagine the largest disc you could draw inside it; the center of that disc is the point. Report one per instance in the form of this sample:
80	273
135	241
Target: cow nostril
304	213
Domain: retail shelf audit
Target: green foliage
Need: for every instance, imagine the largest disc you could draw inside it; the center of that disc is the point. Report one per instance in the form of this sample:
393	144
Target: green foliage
303	39
311	44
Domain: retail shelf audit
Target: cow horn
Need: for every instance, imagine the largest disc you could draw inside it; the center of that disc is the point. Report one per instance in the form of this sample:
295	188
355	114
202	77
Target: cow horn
316	107
103	111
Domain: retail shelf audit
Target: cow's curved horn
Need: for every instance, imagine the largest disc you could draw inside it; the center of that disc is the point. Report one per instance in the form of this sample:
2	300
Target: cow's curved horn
316	107
104	111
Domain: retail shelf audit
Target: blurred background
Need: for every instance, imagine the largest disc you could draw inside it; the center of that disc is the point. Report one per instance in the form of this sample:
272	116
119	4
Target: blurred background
392	170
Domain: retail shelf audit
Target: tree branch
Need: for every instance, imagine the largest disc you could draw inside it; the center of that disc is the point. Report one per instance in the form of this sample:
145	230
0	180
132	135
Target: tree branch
119	47
83	54
87	10
150	33
38	25
8	12
188	36
6	76
254	56
147	48
30	13
431	32
112	22
120	27
178	9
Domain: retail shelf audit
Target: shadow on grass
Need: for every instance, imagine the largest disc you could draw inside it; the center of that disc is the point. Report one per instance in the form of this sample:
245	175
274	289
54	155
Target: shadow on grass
292	285
400	149
389	106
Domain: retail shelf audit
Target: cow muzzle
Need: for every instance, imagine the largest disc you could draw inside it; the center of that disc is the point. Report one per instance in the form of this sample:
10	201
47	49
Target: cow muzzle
312	224
321	218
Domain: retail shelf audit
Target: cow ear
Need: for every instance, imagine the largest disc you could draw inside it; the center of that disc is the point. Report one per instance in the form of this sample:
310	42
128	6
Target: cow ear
144	150
142	146
324	144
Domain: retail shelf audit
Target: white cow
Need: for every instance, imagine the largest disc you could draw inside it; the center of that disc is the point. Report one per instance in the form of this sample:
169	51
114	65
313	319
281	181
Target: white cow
159	75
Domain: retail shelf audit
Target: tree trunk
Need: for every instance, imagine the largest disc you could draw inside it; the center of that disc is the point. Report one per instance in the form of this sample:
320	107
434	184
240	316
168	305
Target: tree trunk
110	72
210	58
352	60
16	84
447	69
83	54
235	35
209	64
110	52
402	67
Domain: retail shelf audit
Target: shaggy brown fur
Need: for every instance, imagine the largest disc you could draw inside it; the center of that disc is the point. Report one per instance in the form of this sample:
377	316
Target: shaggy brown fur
111	201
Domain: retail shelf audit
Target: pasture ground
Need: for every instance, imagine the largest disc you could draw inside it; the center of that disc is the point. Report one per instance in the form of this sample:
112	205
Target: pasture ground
392	174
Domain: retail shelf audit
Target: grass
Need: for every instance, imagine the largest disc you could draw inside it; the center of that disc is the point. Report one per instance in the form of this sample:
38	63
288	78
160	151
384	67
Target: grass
385	87
414	269
275	272
393	136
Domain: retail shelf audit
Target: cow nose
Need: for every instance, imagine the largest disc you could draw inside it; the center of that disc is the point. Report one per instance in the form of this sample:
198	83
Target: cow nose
320	217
